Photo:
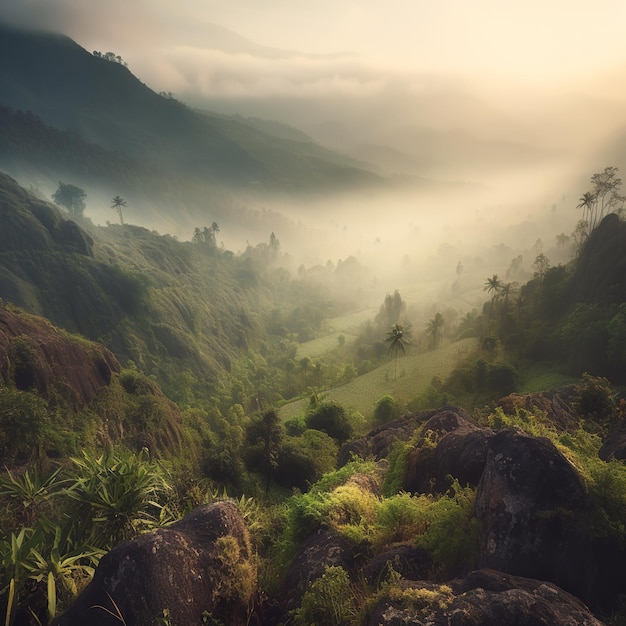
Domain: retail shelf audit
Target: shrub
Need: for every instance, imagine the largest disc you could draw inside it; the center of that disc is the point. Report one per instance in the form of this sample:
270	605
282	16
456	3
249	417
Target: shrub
24	424
385	410
331	418
594	399
305	459
329	600
239	582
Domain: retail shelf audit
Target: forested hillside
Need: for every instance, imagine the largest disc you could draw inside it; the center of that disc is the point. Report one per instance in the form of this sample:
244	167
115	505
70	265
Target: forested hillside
191	434
110	114
352	517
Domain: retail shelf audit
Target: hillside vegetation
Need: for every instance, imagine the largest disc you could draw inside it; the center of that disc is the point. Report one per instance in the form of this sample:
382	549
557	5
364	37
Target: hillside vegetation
83	100
377	468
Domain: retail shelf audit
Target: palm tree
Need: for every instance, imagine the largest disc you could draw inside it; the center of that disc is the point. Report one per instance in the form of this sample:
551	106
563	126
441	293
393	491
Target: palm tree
493	286
433	328
118	203
398	339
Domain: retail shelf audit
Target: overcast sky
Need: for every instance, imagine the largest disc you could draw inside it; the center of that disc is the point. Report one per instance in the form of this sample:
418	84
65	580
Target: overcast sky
529	40
550	70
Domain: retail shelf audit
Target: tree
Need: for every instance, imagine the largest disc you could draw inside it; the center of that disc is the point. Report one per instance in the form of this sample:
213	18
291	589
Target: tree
604	198
305	363
70	197
541	265
118	203
386	409
197	235
330	418
266	434
392	310
434	327
606	186
587	203
493	286
398	338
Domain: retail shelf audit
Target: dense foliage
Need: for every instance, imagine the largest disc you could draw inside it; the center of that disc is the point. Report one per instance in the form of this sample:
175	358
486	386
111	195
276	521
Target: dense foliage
220	334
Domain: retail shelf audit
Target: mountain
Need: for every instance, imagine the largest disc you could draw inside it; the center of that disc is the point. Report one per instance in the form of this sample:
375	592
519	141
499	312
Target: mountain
179	311
104	104
134	290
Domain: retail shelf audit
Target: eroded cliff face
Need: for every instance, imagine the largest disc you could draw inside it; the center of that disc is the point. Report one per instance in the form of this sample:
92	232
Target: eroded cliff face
84	389
35	355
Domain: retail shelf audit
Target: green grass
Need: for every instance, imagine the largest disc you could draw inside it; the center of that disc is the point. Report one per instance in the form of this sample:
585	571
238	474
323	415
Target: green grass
346	325
539	377
415	371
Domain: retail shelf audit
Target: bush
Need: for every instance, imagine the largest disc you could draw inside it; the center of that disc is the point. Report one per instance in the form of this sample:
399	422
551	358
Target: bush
331	418
594	399
24	424
305	459
329	600
385	410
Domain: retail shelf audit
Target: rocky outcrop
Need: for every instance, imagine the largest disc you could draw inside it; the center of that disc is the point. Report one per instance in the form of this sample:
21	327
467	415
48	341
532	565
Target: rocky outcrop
556	405
527	504
325	548
483	598
201	566
452	446
378	442
408	560
35	355
614	446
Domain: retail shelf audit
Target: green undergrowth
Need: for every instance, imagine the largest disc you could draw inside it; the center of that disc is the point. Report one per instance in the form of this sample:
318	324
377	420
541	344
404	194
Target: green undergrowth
443	525
604	481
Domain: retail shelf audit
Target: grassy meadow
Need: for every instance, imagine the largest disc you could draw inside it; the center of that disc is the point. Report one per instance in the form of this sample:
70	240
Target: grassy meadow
414	374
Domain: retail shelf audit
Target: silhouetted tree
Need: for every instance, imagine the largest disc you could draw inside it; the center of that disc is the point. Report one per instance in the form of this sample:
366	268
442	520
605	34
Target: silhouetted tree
118	203
70	197
434	328
541	265
398	338
603	199
391	311
493	286
330	418
266	431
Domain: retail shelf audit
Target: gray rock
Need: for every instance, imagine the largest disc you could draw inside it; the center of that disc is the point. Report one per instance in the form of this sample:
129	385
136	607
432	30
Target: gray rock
181	570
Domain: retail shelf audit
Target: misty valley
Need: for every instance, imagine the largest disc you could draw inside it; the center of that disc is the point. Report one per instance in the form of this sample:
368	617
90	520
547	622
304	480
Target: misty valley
248	376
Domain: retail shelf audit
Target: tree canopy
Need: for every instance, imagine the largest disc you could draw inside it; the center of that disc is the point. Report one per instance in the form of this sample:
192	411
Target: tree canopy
71	198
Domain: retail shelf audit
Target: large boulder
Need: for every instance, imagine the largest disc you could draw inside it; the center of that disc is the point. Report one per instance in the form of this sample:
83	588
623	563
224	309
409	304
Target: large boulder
197	567
527	503
451	446
483	598
325	548
614	446
406	559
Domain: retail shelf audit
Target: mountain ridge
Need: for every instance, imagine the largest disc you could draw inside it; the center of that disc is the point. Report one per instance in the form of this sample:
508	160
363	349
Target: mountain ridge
105	104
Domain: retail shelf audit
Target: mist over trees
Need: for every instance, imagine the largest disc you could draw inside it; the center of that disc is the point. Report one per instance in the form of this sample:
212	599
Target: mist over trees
72	198
339	381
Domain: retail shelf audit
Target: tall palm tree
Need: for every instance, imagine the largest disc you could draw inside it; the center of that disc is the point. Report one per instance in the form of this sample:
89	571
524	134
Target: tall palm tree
493	286
433	328
118	203
398	338
587	202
